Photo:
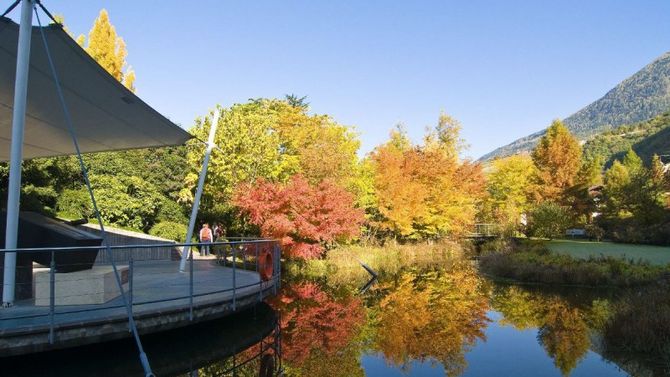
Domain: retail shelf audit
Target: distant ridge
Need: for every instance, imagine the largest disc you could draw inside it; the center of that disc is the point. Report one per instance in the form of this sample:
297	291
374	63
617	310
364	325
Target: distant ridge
644	95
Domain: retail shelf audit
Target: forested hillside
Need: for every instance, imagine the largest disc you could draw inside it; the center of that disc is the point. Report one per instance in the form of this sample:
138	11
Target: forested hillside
642	96
646	138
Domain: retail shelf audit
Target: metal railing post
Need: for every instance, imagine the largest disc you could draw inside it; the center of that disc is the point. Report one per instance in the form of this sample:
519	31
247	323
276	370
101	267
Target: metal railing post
234	280
131	268
244	258
52	296
190	286
277	259
260	280
257	257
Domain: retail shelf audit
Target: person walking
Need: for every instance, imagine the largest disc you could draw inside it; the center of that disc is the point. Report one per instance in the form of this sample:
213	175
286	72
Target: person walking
206	238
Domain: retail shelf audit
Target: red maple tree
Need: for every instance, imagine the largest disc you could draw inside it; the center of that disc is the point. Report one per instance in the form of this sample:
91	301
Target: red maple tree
303	217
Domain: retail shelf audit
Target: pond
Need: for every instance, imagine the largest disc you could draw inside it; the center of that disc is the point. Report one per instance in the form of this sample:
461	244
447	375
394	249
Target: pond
436	321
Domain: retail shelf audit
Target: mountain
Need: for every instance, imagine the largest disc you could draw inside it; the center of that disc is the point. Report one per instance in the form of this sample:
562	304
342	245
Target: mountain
646	138
642	96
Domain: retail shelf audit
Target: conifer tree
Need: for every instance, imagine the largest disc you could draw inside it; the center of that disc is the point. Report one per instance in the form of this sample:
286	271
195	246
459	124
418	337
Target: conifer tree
558	160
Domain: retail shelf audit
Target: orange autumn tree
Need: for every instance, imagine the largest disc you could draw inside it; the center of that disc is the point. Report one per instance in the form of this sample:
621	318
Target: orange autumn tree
426	191
558	158
304	217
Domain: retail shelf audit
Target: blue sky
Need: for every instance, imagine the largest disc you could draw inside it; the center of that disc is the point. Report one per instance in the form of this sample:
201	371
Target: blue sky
503	68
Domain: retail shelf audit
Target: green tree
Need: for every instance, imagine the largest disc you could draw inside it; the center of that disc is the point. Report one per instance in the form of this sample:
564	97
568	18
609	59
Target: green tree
273	140
548	220
125	201
617	183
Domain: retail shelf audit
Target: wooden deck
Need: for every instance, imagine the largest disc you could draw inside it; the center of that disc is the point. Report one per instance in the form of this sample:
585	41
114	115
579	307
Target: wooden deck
161	301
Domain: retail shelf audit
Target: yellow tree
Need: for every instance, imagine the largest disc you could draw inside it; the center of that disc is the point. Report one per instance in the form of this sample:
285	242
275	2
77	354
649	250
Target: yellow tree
108	49
509	183
400	194
326	149
558	160
426	191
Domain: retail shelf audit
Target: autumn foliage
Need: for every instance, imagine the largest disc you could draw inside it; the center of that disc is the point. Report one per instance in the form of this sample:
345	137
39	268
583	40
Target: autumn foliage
315	321
304	217
425	191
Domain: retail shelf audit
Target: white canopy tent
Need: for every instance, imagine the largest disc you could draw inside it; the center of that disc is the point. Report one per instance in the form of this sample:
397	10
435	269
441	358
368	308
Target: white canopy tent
106	116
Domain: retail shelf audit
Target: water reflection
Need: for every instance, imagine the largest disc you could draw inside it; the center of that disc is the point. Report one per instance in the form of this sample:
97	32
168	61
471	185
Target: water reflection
245	344
440	321
430	322
319	330
437	316
564	325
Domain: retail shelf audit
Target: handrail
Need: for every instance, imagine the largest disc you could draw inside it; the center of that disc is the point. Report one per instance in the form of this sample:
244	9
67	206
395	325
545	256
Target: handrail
235	288
141	246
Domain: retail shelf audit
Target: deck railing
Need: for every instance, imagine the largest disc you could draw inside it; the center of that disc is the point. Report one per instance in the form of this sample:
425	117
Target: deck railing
244	269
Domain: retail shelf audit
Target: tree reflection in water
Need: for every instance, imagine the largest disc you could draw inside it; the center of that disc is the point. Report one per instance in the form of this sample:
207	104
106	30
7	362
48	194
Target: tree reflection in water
564	335
318	330
435	316
563	327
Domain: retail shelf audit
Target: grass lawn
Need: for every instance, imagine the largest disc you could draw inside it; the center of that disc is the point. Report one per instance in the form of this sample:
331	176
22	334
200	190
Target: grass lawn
659	255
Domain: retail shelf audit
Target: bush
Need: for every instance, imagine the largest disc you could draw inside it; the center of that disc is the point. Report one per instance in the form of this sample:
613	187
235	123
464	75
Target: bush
169	230
125	201
171	211
641	325
548	220
537	264
594	232
630	230
74	204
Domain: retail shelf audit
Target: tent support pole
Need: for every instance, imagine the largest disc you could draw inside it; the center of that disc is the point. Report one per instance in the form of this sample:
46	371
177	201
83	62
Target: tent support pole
16	154
198	192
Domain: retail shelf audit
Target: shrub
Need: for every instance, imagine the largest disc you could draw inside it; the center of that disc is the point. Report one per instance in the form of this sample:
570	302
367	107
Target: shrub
537	264
594	232
548	220
630	230
641	325
75	204
169	230
171	211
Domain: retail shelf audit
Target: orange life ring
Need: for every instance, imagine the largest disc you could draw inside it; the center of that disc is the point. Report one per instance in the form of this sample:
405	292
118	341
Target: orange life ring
265	265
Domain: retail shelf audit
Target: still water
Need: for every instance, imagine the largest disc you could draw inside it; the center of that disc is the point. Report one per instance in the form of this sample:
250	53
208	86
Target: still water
439	321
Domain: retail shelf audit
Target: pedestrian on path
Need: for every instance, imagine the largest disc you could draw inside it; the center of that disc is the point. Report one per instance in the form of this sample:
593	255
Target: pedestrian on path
205	239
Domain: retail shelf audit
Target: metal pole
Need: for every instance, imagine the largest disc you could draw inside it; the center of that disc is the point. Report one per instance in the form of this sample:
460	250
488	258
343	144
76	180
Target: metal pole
234	282
52	296
190	288
16	154
131	268
198	191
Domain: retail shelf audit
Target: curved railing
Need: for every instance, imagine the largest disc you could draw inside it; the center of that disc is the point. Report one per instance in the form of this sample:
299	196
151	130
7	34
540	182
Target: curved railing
238	269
